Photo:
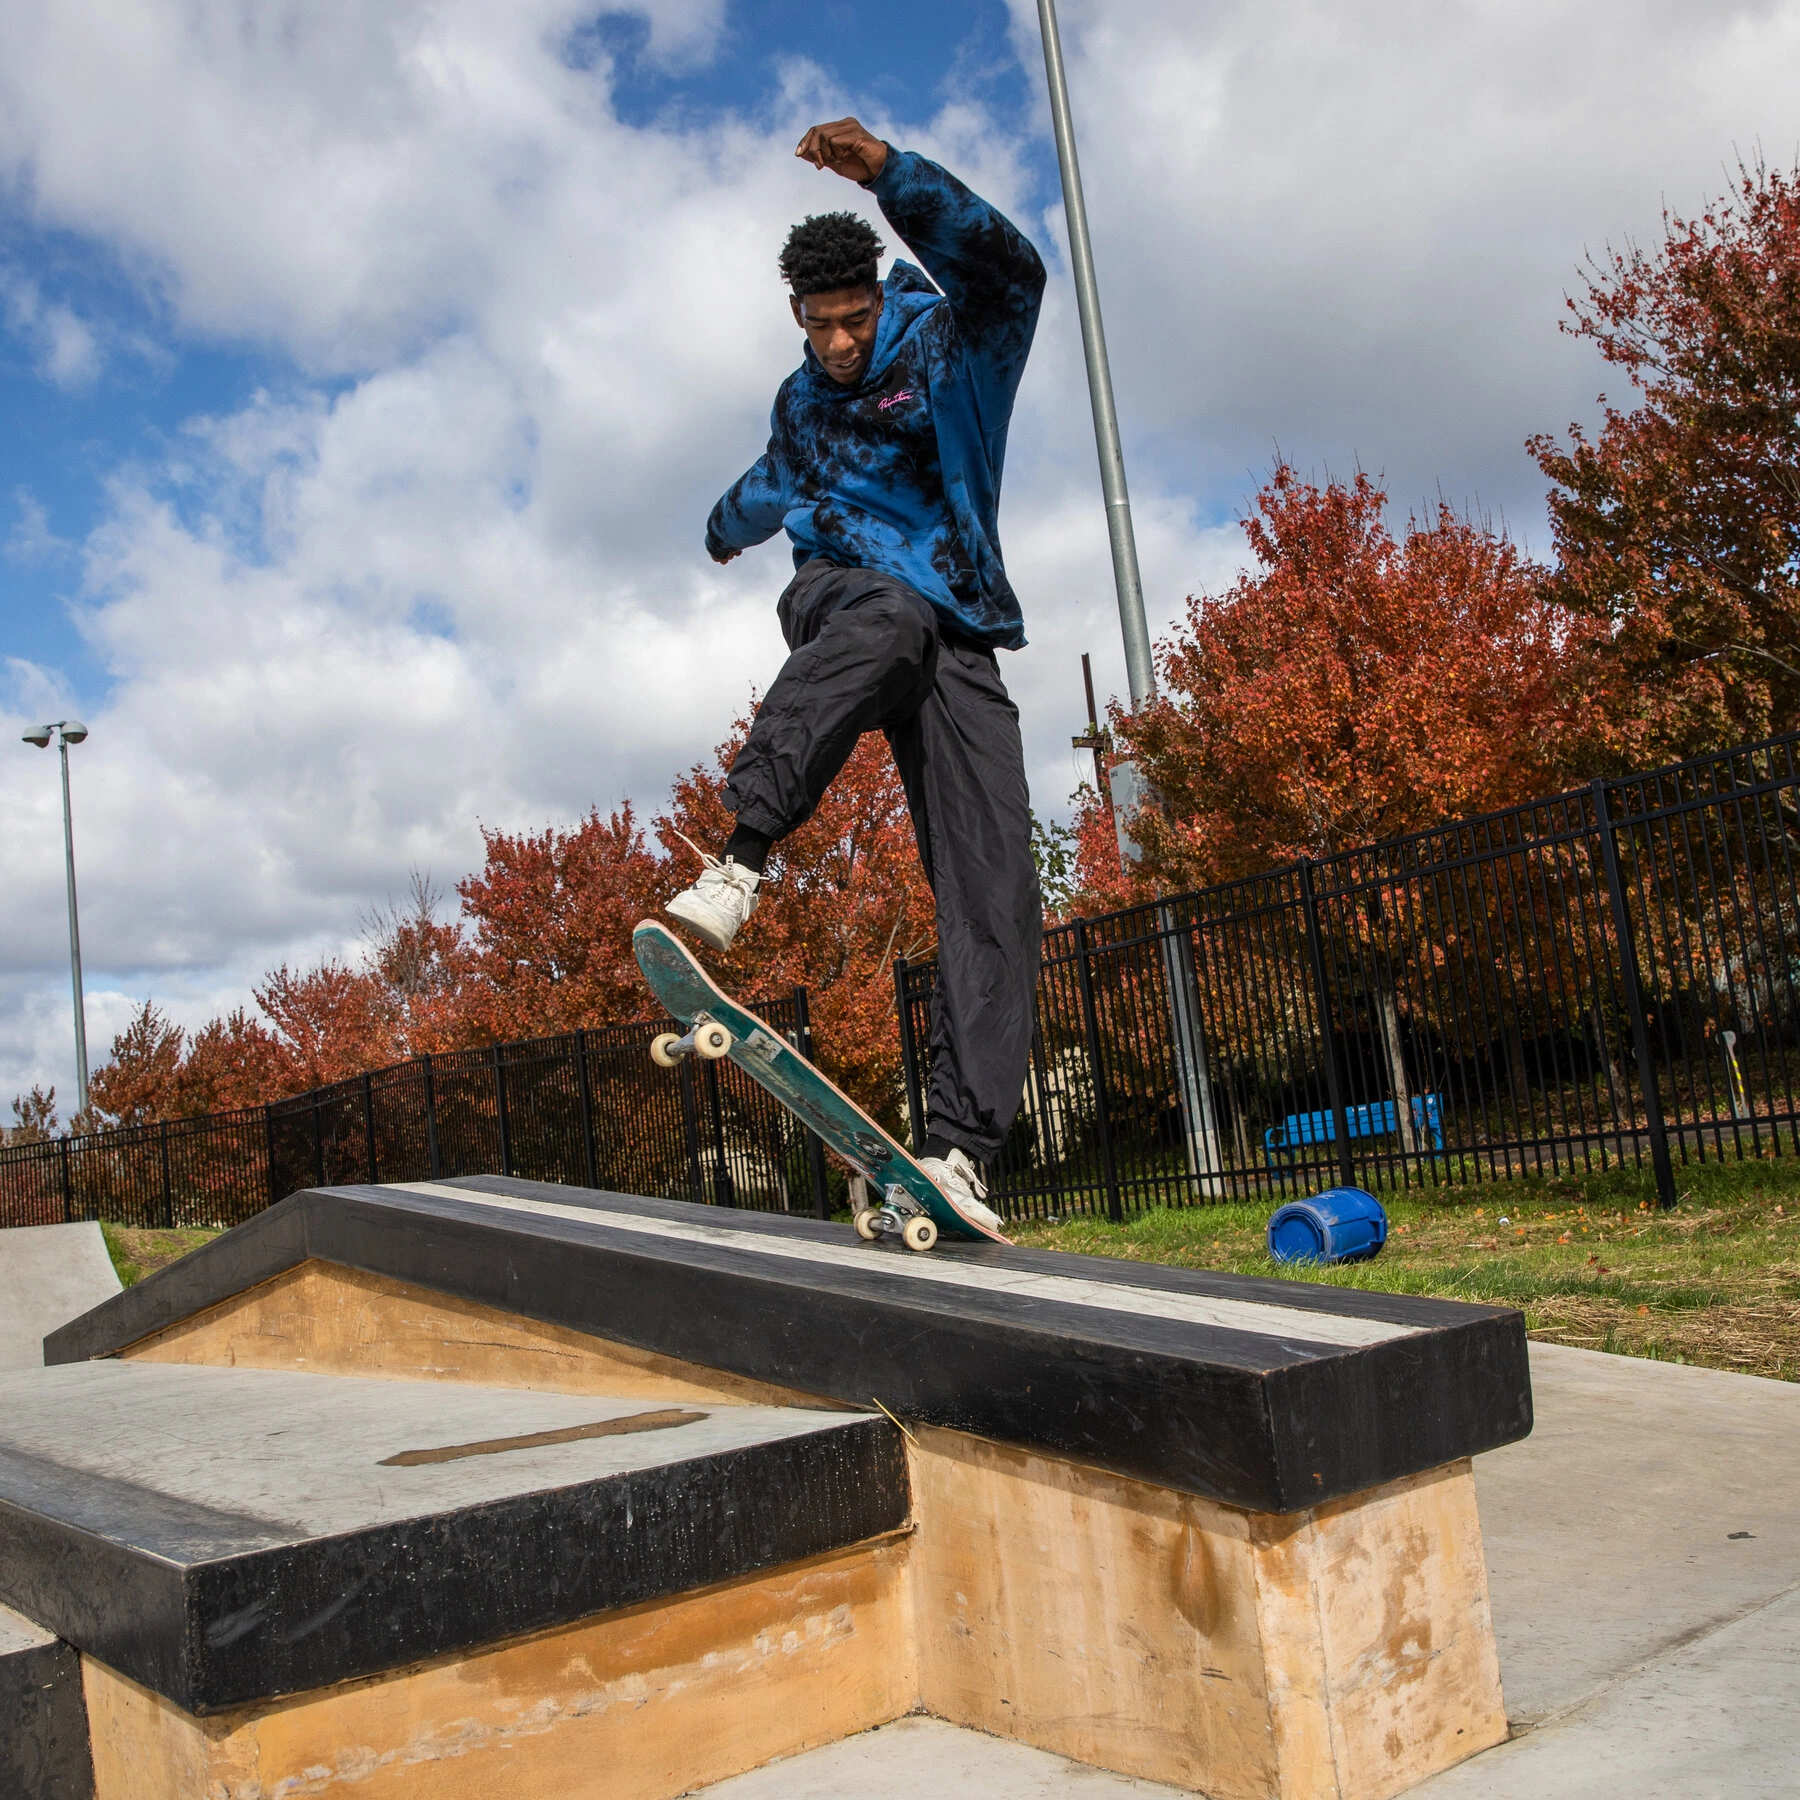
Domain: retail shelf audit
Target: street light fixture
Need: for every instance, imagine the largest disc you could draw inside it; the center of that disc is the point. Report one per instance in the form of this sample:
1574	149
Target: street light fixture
67	732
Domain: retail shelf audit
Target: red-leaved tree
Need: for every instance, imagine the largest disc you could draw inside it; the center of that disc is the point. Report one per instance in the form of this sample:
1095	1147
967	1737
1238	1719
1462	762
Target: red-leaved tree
1679	525
549	920
543	946
1354	686
158	1071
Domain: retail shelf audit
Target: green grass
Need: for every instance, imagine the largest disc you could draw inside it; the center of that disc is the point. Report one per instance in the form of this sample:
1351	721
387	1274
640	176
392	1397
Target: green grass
137	1251
1588	1258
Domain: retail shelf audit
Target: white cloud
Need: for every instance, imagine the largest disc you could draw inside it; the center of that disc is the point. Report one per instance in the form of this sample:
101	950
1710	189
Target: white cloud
446	571
63	348
31	540
1348	230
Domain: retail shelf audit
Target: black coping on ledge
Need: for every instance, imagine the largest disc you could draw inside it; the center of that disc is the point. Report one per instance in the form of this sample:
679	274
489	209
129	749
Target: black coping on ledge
1273	1408
225	1536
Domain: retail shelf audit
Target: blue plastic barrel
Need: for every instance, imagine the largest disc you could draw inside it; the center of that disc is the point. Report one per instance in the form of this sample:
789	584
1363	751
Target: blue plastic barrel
1343	1224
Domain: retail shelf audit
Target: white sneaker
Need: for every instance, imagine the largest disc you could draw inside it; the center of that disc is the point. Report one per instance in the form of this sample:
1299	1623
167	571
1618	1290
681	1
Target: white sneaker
958	1179
718	903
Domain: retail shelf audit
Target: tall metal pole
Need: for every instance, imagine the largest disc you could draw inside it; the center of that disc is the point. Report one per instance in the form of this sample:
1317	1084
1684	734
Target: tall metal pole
81	1063
1140	670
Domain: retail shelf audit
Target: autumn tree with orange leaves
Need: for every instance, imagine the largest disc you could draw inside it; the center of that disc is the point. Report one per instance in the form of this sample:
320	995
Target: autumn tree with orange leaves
159	1071
547	930
1353	686
543	946
1678	526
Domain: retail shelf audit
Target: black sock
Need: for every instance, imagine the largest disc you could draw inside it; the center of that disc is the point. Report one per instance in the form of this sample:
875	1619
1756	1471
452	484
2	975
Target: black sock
937	1146
748	849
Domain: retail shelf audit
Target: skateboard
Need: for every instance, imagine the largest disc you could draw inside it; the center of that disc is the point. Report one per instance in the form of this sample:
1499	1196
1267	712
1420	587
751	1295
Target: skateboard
912	1206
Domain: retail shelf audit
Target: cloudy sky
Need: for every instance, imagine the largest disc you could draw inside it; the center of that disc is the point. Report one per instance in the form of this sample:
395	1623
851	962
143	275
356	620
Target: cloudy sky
368	367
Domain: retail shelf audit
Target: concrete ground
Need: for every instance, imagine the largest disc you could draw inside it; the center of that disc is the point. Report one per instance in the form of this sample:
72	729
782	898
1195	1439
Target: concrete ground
49	1274
1644	1552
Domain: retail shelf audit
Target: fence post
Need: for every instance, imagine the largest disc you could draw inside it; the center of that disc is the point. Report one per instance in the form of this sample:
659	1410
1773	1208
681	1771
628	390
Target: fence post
1090	1031
1193	1082
909	1060
724	1192
168	1186
434	1162
67	1184
815	1149
268	1113
690	1124
585	1091
1334	1084
369	1127
1663	1168
318	1140
1051	1131
500	1096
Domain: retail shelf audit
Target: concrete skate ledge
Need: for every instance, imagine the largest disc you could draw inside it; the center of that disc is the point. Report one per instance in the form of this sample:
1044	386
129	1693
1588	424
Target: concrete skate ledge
225	1536
1268	1395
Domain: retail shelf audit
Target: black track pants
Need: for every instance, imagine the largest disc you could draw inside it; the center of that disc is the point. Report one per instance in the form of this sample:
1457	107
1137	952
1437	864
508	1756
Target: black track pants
868	654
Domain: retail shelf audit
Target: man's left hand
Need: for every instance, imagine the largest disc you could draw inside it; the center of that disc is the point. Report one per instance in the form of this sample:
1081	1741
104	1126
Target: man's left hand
845	148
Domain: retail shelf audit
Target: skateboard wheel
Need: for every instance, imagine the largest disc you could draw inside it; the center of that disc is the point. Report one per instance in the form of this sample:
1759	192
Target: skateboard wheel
920	1233
867	1223
712	1040
662	1048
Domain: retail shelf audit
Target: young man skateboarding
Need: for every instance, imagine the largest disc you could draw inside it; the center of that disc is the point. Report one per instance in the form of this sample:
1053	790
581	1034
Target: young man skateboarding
883	467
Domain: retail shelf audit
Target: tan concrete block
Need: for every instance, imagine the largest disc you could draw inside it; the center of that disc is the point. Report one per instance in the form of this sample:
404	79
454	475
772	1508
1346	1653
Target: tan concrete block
1339	1654
337	1321
1375	1608
640	1704
1102	1618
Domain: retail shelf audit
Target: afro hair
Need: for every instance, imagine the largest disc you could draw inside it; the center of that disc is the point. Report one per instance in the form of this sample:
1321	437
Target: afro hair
830	251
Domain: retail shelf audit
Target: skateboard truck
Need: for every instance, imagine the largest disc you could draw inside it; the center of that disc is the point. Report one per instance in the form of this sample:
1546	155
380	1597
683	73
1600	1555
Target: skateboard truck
900	1212
705	1038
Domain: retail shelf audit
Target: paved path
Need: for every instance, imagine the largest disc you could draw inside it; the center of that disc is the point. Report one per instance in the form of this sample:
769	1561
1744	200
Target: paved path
49	1274
1646	1647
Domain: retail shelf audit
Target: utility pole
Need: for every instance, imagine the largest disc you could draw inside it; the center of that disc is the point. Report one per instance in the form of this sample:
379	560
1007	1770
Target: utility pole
67	732
1094	739
1140	670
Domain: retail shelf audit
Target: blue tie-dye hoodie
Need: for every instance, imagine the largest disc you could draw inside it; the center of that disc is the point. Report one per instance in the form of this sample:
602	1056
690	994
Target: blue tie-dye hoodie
901	472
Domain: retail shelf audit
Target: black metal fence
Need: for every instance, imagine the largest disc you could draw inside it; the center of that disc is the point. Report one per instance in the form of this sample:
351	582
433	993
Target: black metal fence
1608	976
588	1108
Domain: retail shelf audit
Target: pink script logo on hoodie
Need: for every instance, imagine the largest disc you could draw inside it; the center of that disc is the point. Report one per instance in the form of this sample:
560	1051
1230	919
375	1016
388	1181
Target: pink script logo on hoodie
895	399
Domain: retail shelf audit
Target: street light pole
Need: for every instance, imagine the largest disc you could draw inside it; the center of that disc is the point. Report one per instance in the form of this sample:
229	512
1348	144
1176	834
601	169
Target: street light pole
1128	790
70	731
1140	669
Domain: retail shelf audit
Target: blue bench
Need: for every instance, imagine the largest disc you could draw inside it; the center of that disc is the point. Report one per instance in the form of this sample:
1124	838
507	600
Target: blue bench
1378	1119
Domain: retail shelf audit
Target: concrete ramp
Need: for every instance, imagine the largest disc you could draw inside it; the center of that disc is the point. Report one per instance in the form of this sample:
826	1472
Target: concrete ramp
49	1274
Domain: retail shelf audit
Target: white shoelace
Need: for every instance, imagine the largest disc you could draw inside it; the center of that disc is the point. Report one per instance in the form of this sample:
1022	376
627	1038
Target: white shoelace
731	871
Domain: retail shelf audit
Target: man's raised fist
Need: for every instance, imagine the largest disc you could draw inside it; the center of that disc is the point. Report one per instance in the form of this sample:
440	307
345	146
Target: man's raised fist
845	148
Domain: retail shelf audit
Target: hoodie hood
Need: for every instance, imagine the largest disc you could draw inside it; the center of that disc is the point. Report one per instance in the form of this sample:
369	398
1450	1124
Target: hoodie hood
907	296
900	474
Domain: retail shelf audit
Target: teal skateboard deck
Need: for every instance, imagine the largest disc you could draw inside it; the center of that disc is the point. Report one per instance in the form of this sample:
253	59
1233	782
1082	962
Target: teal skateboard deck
719	1026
